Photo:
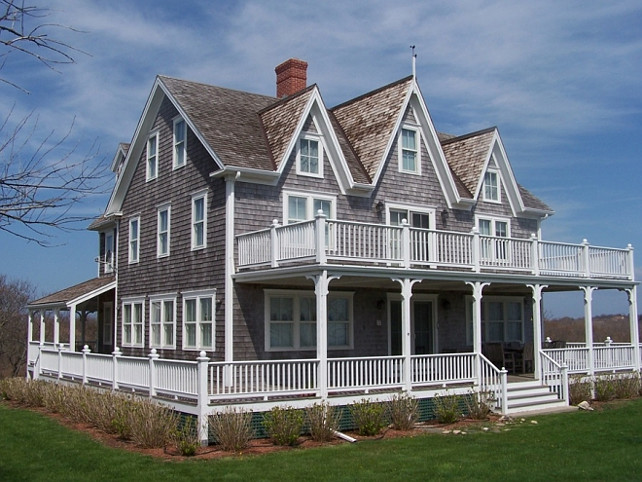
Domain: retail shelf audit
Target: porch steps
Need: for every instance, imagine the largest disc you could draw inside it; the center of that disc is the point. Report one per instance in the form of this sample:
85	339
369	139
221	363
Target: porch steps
531	396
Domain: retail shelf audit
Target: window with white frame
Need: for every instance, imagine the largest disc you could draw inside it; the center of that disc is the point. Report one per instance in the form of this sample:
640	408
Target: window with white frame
302	206
134	239
132	323
152	156
491	188
502	319
109	252
409	152
490	230
163	231
310	157
291	318
162	322
180	142
199	220
198	320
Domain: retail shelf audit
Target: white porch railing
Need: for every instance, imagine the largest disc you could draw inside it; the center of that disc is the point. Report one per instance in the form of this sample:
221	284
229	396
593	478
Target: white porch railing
554	375
443	368
493	381
322	241
606	357
346	374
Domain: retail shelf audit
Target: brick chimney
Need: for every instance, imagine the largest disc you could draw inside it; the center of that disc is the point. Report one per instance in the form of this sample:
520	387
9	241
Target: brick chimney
291	77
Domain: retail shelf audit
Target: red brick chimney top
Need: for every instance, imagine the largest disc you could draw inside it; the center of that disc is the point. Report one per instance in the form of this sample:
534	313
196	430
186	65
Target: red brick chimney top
291	77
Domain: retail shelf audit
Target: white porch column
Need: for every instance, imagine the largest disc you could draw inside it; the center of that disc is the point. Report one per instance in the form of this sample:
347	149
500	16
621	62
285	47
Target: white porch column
42	327
588	325
406	329
537	328
56	339
72	328
478	288
321	291
29	327
633	321
230	185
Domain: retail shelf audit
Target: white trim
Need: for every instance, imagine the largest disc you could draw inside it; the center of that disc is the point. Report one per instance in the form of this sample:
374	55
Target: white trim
198	295
133	259
498	180
164	208
310	197
162	323
417	150
183	148
149	176
311	137
131	302
411	208
296	296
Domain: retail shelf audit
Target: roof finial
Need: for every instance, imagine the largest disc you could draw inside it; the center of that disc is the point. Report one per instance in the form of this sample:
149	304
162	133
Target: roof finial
414	62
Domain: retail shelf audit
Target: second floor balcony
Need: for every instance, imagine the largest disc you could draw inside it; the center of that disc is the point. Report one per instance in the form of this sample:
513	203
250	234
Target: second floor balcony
329	241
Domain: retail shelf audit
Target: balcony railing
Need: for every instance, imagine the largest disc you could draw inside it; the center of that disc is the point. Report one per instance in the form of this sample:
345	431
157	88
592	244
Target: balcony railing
332	241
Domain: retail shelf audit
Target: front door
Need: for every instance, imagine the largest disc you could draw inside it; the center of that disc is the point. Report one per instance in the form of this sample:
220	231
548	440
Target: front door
423	327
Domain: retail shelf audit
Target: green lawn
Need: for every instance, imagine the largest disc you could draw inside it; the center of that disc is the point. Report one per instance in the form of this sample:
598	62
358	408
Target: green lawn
600	445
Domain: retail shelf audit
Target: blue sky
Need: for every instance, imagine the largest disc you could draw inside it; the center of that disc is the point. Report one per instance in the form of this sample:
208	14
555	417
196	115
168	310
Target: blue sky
561	80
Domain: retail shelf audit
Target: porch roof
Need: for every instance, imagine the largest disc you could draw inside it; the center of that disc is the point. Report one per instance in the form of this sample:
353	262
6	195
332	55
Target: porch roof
75	294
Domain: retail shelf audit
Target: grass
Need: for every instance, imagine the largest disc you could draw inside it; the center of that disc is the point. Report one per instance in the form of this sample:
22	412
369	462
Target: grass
579	445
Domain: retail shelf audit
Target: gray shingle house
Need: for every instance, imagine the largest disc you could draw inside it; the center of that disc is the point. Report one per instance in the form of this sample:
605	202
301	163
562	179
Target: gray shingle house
323	252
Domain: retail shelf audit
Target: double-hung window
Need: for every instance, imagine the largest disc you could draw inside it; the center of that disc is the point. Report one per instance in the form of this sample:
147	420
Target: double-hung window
162	322
417	218
199	220
180	142
303	207
491	186
163	231
198	320
152	157
310	157
502	319
409	153
134	239
491	230
291	320
132	323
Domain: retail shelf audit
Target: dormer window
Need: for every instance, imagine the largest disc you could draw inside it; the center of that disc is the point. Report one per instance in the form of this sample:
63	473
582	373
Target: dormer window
310	157
180	142
152	157
409	151
491	186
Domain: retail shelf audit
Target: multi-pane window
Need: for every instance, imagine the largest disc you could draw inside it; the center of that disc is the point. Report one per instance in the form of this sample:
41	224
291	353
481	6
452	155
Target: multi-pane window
302	207
132	320
162	323
291	321
409	152
491	186
109	252
502	320
199	221
108	320
163	231
310	157
198	321
180	142
494	249
134	238
152	156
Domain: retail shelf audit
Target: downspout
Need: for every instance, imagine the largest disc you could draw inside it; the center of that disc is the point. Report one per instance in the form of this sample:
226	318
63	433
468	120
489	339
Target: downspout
230	182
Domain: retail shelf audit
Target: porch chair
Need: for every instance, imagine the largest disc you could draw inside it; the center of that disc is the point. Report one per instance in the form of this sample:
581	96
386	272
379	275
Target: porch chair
524	362
499	357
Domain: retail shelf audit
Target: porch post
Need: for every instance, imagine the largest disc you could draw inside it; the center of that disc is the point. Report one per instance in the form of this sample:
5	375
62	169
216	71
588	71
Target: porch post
72	328
406	329
478	288
320	242
56	327
537	327
321	282
230	182
588	325
633	321
42	327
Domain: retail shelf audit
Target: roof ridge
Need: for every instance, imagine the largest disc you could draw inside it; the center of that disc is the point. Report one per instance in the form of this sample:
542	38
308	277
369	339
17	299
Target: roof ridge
371	93
195	82
468	136
284	100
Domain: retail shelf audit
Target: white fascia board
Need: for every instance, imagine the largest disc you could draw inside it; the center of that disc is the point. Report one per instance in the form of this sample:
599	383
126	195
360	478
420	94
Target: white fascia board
116	160
91	294
506	171
248	174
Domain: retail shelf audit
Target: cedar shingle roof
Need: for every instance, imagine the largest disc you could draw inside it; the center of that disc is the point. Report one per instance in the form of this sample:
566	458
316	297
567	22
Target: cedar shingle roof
228	120
466	156
530	201
63	296
368	121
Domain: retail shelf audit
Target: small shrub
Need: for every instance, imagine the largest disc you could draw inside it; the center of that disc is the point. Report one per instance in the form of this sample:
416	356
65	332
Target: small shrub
231	429
605	388
151	425
626	386
186	437
579	390
368	416
323	421
283	425
404	411
447	408
478	404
